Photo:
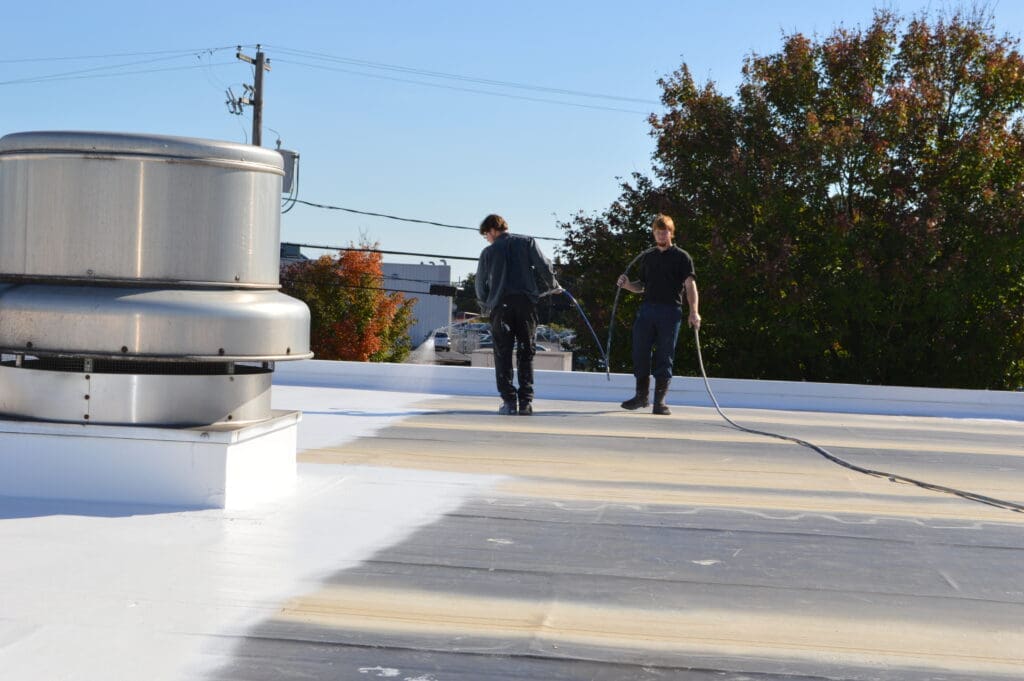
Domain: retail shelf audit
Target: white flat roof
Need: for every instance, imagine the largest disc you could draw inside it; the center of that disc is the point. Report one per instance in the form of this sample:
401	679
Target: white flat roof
429	539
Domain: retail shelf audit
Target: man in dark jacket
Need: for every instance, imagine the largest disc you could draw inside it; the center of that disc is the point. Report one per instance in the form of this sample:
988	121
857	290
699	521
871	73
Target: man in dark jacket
511	275
666	271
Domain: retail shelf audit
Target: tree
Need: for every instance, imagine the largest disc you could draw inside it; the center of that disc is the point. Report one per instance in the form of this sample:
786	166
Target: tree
352	316
465	295
854	212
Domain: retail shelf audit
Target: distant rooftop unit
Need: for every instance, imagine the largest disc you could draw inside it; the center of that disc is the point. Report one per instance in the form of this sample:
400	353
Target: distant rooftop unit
291	254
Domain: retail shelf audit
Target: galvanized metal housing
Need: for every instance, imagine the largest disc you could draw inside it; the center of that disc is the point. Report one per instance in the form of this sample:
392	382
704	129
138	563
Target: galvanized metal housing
112	207
161	253
142	323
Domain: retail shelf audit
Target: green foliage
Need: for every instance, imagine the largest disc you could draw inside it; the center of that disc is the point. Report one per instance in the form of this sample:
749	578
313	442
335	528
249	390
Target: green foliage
854	212
465	296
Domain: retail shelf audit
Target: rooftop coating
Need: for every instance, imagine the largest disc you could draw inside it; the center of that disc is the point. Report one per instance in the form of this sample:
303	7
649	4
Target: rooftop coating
429	539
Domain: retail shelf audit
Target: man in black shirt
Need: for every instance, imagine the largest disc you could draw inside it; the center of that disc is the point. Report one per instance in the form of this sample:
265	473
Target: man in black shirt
665	272
511	275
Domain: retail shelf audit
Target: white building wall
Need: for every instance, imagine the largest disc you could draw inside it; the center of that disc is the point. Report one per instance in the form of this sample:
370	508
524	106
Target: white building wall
430	311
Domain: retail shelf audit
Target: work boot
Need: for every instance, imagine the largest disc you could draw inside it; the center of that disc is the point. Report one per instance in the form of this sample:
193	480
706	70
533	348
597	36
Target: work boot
525	408
639	401
660	390
507	408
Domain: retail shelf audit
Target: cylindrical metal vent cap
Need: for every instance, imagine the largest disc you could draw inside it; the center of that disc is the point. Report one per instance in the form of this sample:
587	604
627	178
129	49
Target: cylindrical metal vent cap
90	207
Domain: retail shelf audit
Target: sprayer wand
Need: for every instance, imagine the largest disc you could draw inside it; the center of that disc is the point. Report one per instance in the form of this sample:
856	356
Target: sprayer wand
611	321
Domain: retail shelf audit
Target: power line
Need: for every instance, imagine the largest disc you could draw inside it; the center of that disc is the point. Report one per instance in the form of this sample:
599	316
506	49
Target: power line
383	252
342	285
395	217
120	54
163	55
389	277
465	89
377	250
58	76
460	77
167	55
55	78
415	281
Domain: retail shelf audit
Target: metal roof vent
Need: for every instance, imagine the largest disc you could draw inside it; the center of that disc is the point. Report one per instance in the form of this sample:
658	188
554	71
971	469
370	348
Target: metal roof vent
139	279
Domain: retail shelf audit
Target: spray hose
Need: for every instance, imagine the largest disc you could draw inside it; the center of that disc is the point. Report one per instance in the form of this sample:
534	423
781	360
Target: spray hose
892	477
611	321
604	355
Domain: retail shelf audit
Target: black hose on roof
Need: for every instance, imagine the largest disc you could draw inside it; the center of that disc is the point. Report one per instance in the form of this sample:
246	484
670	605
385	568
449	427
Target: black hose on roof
892	477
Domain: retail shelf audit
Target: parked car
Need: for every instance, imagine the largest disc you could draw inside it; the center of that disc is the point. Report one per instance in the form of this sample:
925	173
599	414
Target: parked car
546	333
473	327
442	341
486	342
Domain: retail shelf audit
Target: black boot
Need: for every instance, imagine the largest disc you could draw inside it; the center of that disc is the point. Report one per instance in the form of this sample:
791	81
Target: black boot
639	401
660	390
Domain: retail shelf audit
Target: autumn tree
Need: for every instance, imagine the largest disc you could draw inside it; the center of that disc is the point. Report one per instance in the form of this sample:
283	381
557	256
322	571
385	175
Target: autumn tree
352	316
854	211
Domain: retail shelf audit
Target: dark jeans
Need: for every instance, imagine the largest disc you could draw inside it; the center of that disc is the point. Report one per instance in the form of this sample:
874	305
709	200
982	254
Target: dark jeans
656	326
514	322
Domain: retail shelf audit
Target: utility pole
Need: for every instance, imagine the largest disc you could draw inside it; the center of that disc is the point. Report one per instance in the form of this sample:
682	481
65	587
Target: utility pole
261	64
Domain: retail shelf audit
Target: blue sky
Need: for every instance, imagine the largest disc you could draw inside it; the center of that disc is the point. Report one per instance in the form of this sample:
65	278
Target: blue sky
399	141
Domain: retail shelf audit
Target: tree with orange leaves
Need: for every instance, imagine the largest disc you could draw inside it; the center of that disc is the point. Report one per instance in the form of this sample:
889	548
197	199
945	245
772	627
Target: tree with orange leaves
352	316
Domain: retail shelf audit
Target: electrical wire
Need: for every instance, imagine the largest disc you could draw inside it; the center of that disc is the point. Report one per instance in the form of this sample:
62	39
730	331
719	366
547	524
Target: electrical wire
56	78
415	281
377	250
892	477
414	220
455	76
118	55
462	89
92	71
423	73
293	197
340	285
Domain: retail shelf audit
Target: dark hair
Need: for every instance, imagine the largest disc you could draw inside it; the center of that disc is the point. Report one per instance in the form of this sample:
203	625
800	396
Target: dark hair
495	222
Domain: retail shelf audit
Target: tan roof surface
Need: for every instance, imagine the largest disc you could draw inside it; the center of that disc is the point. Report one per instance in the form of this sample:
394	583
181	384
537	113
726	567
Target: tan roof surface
619	545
